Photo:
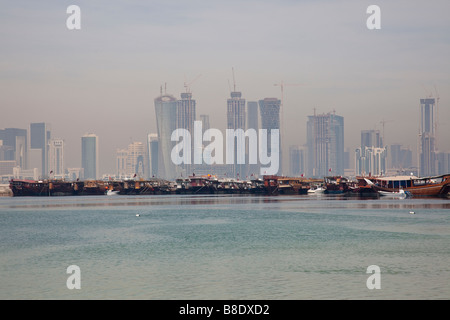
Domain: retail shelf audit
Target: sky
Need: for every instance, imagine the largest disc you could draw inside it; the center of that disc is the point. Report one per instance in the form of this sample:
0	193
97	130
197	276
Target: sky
103	78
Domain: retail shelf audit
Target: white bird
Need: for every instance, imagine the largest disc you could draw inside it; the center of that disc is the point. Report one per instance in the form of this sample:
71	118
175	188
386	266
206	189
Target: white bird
412	212
137	215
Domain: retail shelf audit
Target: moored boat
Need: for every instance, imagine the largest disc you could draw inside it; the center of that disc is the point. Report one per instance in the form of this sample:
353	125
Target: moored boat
427	186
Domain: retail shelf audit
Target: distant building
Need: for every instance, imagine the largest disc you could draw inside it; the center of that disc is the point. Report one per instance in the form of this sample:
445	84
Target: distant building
371	138
269	109
185	120
121	162
371	156
252	123
152	154
135	160
443	162
89	156
56	158
14	146
297	161
40	134
427	159
325	144
236	120
166	122
400	157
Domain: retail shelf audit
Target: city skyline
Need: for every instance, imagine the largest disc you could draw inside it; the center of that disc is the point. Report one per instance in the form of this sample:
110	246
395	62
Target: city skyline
104	77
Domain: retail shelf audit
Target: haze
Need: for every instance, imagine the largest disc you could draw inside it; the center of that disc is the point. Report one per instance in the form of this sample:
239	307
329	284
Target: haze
103	78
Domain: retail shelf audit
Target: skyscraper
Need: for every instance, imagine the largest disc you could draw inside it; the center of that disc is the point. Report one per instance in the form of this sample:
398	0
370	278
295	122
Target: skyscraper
56	158
297	160
40	134
166	122
89	156
135	159
371	138
185	120
152	154
325	143
371	156
427	138
252	123
269	109
14	146
236	120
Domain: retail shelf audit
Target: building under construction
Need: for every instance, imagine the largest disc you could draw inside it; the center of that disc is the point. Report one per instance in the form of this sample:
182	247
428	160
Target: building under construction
325	143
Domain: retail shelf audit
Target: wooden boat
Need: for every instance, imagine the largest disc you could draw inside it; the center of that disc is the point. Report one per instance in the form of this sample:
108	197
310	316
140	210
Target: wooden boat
427	186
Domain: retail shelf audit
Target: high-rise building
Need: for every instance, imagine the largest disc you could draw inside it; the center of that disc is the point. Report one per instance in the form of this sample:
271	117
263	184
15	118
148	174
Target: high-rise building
166	122
443	162
236	120
40	134
427	138
371	138
121	163
252	123
14	146
371	156
185	120
89	156
135	159
400	157
152	154
325	144
297	161
269	109
56	158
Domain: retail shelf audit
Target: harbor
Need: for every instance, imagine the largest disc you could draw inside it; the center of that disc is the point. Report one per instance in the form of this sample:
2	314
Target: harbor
371	186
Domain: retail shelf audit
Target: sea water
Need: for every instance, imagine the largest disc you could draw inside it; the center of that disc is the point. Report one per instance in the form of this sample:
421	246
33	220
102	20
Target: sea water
224	247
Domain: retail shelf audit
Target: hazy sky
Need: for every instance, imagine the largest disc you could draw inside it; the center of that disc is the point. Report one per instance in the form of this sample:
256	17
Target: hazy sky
103	78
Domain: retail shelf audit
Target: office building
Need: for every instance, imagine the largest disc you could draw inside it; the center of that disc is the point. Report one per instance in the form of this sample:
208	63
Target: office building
166	122
325	145
236	120
56	158
152	155
14	146
40	134
135	163
185	120
371	156
89	156
297	161
427	139
269	110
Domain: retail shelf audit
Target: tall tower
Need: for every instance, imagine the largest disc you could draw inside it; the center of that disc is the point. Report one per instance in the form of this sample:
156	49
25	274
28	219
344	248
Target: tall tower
185	120
325	142
236	120
252	123
56	158
427	162
40	134
166	122
152	155
15	146
135	159
89	156
371	156
269	109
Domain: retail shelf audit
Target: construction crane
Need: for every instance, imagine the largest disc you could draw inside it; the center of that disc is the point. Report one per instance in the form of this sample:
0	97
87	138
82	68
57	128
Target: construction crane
187	86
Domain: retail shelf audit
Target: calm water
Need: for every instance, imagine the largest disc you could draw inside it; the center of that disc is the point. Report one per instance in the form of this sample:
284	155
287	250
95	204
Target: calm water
224	247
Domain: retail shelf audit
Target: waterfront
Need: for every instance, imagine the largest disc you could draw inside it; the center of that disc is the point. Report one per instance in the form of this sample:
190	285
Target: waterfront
224	247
